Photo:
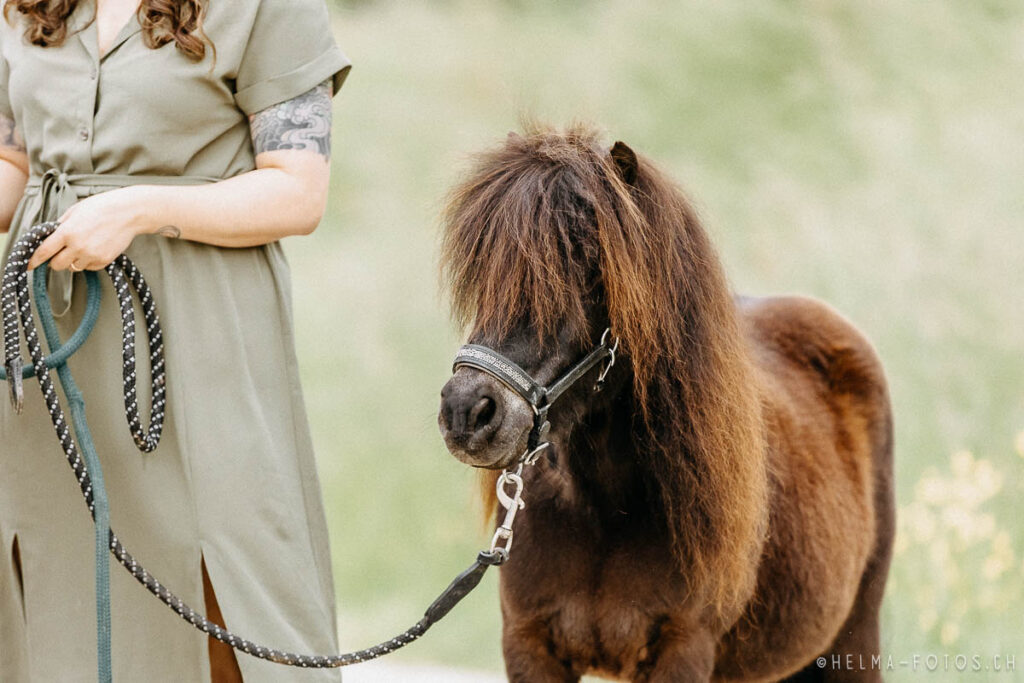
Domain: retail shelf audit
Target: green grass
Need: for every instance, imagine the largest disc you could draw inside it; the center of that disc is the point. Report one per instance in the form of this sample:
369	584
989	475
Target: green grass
871	154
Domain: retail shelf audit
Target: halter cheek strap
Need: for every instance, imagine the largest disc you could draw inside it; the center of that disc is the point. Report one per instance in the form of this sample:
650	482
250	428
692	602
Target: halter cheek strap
535	394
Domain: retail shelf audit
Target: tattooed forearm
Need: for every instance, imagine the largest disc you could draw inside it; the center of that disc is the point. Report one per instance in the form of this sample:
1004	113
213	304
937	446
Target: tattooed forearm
169	231
303	122
10	136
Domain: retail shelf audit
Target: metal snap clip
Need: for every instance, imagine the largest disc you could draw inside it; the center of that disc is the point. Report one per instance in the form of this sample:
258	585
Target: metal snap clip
15	382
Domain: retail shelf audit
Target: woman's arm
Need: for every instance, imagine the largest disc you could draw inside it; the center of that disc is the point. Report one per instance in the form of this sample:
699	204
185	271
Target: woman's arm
13	170
285	195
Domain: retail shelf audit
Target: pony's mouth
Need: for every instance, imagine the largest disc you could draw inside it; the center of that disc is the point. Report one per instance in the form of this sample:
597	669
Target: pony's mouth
500	461
501	452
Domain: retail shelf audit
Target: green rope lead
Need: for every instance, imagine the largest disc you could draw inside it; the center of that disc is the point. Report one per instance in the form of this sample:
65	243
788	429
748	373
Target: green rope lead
101	515
75	341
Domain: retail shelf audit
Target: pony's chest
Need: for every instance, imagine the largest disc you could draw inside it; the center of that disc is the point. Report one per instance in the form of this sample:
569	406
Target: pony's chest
604	608
608	634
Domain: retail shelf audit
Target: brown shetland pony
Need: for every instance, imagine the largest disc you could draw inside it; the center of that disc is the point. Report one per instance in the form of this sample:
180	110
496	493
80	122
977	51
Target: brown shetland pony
723	509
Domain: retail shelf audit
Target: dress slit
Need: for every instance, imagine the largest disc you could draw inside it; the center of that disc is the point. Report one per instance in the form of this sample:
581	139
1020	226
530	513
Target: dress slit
223	662
19	576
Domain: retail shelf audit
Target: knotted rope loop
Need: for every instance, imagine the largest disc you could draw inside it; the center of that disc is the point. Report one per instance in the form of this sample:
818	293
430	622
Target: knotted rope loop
125	276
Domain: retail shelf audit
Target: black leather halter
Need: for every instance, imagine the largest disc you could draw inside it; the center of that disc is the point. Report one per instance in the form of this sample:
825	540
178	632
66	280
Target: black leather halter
535	394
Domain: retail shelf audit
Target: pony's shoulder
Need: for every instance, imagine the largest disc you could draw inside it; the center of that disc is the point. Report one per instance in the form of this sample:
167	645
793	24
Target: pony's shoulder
813	335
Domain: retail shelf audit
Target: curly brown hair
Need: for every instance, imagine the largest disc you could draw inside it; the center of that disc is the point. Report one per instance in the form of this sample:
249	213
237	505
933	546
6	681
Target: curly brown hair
162	21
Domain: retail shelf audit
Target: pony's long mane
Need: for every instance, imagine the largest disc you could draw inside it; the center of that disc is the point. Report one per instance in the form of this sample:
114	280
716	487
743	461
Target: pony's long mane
534	220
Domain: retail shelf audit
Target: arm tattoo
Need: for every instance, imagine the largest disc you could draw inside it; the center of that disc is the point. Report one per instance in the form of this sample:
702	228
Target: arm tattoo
171	231
303	122
10	136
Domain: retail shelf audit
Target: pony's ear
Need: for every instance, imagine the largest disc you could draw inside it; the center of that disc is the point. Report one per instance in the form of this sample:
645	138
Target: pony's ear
625	161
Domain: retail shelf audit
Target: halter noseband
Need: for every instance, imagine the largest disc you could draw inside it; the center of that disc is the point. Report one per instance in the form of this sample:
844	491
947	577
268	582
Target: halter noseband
537	396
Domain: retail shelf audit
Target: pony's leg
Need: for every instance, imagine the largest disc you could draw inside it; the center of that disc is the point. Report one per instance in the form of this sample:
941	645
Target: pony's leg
859	637
849	658
529	657
682	657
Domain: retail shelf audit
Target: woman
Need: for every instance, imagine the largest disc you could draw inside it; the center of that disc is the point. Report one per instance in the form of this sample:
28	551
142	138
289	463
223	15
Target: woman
193	134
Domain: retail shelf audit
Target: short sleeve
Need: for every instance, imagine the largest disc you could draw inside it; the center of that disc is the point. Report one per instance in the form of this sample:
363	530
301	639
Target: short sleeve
290	51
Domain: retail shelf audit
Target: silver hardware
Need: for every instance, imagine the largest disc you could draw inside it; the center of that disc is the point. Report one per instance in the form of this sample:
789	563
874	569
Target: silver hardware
512	504
16	383
516	479
531	456
611	359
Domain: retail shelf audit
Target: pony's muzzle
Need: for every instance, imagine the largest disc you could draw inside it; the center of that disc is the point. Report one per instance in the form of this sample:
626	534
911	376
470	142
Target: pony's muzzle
470	414
479	418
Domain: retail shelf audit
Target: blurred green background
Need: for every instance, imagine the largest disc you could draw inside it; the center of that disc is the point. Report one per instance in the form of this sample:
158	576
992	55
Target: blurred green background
870	154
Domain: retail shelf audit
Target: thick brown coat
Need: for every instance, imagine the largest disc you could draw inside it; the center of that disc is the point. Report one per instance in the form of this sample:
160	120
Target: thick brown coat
723	509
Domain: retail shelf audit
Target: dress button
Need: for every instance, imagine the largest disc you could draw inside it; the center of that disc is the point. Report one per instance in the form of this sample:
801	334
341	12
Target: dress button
93	73
84	134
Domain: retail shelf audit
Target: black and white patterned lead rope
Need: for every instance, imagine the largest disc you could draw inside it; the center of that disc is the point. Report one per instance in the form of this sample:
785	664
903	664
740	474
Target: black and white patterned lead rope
15	303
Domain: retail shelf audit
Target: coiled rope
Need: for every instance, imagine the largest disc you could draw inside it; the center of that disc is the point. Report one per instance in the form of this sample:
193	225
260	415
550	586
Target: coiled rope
16	305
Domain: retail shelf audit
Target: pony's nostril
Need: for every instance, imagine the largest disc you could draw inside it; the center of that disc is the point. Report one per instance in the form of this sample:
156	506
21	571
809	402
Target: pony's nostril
482	413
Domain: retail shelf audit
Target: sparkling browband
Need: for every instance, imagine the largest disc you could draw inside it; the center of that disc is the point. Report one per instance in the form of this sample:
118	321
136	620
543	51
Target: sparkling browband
513	372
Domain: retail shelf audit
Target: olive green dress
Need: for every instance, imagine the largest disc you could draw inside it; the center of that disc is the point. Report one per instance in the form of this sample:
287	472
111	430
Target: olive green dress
234	480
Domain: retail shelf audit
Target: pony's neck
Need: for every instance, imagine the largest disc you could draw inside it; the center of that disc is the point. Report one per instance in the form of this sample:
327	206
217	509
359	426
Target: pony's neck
602	467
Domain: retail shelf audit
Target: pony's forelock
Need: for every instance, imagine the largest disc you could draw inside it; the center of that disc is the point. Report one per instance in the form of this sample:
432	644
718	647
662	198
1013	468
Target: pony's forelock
512	249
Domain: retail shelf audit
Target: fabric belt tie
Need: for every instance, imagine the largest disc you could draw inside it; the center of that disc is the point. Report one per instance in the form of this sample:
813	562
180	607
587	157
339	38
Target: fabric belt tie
59	191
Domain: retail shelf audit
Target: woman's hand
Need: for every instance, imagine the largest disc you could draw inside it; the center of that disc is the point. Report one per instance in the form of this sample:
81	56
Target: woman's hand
96	230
